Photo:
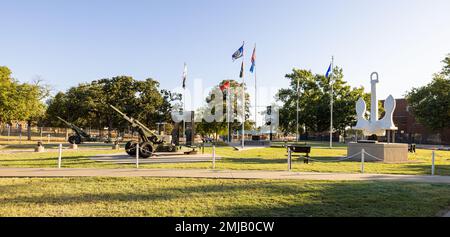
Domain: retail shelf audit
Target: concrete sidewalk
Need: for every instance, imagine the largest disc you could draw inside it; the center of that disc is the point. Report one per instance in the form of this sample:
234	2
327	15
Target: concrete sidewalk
223	174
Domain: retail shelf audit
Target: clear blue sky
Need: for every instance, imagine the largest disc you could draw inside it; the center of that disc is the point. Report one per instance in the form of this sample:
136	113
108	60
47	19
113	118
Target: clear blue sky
69	42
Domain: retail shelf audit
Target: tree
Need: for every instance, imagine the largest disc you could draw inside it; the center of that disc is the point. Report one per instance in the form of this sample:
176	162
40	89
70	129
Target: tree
21	101
430	104
139	99
7	112
220	127
314	102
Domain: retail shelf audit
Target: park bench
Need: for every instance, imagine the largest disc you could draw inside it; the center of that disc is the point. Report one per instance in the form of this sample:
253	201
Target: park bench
306	149
412	148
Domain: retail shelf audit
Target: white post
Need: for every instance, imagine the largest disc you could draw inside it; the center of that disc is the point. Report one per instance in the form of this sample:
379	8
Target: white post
48	138
432	162
214	156
59	156
362	160
137	155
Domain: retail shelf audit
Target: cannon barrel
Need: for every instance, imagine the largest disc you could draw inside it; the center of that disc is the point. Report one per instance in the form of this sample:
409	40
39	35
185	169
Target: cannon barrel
77	130
64	121
134	122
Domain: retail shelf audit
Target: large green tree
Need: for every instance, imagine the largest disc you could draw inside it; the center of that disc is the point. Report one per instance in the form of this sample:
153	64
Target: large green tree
430	104
140	99
313	93
21	101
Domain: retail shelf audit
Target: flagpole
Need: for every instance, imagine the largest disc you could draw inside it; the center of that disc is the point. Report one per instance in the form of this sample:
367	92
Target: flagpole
184	113
228	109
331	103
184	101
256	94
298	96
243	97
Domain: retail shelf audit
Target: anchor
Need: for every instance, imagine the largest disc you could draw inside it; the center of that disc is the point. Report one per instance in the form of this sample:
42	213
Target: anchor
375	126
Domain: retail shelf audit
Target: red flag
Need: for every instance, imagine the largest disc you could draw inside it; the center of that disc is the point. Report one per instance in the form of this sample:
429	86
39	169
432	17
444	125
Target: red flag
225	85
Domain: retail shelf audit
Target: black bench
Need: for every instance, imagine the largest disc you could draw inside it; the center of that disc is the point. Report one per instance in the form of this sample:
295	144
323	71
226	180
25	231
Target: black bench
412	148
300	149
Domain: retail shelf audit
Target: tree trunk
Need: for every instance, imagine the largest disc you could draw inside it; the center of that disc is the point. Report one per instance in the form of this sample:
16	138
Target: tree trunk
29	130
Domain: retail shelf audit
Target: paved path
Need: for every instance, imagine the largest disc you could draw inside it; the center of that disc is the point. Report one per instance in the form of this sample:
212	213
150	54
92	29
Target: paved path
203	173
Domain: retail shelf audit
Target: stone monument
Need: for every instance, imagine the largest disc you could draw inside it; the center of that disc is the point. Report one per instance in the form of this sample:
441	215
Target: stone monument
386	152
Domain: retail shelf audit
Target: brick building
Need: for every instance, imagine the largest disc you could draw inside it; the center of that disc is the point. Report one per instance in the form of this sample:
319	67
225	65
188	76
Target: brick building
410	131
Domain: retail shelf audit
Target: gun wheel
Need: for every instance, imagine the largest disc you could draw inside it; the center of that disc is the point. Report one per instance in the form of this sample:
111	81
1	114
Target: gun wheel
145	150
130	148
74	140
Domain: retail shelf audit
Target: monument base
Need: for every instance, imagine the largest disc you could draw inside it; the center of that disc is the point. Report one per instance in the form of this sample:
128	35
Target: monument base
385	152
39	149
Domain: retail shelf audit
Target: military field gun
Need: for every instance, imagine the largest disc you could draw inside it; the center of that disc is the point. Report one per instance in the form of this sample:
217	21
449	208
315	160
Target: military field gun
149	141
80	135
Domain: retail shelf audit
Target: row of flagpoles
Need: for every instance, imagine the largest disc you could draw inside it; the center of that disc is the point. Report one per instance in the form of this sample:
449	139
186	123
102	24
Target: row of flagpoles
236	55
240	54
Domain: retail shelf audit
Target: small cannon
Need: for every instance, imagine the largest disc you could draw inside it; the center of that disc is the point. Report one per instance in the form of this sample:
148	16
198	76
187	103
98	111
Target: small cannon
82	136
150	141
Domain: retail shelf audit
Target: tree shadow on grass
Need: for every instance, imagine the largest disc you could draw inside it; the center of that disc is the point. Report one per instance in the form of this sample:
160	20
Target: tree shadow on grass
274	198
350	199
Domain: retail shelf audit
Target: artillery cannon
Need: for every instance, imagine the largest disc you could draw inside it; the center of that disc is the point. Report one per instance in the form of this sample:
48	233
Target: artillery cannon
80	135
150	142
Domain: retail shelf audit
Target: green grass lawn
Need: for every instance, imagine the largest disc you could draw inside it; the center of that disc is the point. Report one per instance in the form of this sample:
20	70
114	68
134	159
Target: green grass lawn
253	159
52	145
217	197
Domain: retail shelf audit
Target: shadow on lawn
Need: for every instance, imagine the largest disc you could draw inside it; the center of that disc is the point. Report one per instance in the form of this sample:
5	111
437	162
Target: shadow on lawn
55	145
267	198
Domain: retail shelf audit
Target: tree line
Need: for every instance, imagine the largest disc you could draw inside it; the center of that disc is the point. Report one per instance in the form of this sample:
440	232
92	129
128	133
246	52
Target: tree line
86	104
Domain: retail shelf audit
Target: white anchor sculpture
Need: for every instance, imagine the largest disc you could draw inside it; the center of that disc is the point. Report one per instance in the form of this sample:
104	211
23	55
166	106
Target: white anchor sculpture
375	126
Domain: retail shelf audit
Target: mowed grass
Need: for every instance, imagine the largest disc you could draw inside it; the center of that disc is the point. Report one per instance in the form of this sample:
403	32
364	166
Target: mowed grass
70	159
253	159
276	159
217	197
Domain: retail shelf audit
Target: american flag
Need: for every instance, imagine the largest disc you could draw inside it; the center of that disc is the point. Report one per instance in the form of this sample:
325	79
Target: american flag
252	68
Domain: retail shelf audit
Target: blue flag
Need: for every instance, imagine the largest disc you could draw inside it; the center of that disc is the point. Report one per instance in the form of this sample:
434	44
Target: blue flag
238	53
328	72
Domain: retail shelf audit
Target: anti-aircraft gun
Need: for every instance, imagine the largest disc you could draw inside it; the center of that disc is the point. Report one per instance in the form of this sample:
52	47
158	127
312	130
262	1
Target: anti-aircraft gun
150	142
80	135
